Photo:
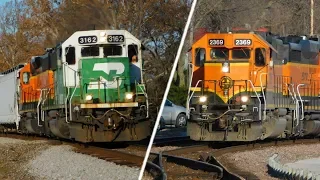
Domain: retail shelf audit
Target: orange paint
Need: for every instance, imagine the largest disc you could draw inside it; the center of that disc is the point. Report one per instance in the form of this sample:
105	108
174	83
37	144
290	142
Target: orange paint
240	69
246	69
30	91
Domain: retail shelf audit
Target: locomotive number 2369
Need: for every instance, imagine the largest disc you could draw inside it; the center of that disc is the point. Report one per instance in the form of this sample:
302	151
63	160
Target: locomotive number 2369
216	42
242	42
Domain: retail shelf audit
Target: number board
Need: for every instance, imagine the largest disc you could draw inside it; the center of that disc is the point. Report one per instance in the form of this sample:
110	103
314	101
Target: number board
242	42
216	42
115	38
87	39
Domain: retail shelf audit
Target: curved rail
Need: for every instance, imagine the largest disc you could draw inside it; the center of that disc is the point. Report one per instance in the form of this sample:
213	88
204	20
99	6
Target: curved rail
209	155
212	170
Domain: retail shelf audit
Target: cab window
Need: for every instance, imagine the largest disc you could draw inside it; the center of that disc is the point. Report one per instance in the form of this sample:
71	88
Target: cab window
219	53
71	55
133	53
200	56
260	57
242	53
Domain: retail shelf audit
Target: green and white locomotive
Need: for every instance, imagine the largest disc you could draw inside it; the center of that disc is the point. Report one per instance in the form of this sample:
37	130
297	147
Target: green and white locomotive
89	88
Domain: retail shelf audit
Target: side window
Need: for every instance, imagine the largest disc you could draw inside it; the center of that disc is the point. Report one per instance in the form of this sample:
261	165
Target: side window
71	55
260	57
200	56
25	77
133	53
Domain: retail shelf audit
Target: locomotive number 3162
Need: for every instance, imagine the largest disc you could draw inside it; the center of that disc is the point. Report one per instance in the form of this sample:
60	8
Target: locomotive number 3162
87	39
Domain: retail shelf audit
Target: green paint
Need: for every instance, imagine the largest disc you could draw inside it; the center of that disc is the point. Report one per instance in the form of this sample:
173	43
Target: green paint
106	69
90	70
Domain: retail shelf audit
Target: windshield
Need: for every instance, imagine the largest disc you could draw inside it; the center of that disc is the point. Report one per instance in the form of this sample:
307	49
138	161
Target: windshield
94	51
112	50
219	53
90	51
241	53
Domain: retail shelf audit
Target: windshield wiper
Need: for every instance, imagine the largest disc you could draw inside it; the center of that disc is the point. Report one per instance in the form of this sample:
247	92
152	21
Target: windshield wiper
244	52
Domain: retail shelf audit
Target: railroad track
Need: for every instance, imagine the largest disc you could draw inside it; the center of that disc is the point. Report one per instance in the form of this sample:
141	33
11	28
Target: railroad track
175	167
172	140
209	153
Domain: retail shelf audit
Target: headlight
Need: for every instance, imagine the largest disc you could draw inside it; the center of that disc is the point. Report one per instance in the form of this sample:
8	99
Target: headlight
244	99
103	39
129	96
225	67
203	99
89	97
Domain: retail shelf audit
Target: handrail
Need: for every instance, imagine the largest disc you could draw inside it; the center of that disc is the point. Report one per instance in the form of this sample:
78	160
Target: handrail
193	90
188	103
68	90
302	110
290	93
296	114
257	98
264	97
70	104
66	105
75	88
147	101
46	97
39	102
189	99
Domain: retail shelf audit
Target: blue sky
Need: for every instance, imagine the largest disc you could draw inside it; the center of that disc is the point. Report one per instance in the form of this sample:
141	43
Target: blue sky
3	2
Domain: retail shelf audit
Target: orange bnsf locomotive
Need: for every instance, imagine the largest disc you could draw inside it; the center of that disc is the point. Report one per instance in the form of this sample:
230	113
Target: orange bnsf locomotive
247	86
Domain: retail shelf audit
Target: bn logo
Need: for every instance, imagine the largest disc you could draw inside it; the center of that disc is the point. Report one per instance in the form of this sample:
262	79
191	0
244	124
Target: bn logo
107	68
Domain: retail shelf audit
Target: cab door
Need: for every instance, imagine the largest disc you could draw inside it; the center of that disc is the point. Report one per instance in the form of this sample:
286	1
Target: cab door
258	67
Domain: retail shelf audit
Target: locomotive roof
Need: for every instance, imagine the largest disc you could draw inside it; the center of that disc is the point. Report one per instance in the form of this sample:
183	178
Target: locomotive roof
19	66
295	41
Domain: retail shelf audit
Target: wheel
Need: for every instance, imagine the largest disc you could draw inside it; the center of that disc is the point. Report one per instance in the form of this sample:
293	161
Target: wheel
181	120
161	124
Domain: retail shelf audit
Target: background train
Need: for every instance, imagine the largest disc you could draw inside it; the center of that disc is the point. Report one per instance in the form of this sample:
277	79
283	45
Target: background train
247	86
88	88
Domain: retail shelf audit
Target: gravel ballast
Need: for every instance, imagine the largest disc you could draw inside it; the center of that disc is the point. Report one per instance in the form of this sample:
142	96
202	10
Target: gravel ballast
164	148
60	162
14	153
255	161
42	159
